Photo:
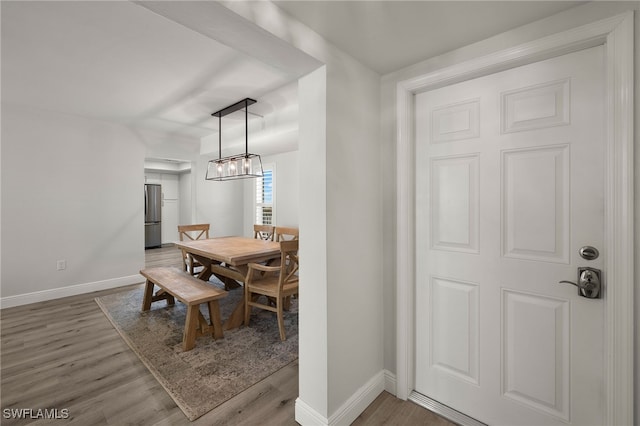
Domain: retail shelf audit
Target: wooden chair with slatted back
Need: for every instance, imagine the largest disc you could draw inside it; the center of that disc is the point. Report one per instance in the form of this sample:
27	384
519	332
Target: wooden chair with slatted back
286	233
277	283
263	232
192	232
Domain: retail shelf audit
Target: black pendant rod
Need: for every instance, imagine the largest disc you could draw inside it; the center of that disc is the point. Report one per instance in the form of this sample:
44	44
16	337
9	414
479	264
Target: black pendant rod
228	110
235	107
246	129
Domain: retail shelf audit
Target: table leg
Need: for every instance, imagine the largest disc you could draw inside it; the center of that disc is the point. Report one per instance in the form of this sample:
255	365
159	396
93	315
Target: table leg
236	319
205	274
207	271
229	283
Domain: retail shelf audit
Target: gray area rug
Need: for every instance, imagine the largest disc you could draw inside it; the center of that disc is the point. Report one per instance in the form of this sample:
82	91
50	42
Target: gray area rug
214	371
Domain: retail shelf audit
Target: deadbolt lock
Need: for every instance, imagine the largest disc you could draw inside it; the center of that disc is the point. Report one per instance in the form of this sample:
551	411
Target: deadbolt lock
589	253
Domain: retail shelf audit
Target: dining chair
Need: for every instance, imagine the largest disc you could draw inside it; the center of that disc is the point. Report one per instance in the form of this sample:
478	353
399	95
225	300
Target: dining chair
192	232
287	233
276	283
284	233
263	232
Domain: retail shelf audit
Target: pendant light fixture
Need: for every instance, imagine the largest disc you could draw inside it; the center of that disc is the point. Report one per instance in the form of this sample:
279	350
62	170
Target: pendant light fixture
237	166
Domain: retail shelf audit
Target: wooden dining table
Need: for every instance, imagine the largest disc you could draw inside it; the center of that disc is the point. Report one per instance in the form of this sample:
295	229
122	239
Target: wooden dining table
227	258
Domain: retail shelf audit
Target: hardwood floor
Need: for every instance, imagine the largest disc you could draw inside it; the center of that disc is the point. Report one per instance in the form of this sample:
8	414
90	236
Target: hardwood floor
65	354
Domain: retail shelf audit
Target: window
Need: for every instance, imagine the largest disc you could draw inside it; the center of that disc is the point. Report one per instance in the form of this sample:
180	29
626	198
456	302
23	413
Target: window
265	197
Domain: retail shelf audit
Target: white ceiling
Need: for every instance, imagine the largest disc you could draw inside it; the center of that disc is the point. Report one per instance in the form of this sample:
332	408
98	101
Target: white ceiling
390	35
121	62
128	63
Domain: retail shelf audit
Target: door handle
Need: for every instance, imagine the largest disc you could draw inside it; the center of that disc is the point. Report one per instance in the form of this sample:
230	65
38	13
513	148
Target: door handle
589	282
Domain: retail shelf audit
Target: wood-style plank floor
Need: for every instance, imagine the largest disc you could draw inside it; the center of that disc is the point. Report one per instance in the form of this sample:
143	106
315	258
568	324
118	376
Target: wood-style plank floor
65	354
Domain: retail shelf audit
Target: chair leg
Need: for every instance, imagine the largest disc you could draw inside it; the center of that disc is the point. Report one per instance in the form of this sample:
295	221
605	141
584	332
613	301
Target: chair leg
280	319
247	307
191	267
184	261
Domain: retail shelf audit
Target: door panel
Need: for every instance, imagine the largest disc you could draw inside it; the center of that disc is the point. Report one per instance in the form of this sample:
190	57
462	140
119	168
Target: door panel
538	379
509	186
535	203
454	212
454	319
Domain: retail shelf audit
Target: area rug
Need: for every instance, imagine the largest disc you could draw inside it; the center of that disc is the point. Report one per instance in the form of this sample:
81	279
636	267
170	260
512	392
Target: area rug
214	371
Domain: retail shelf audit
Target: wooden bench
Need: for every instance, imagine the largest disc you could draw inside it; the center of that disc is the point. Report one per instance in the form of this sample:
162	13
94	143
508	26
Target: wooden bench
177	284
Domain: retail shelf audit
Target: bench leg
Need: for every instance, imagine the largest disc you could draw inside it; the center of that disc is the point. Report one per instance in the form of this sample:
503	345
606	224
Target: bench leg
190	328
203	325
162	294
216	322
170	300
148	295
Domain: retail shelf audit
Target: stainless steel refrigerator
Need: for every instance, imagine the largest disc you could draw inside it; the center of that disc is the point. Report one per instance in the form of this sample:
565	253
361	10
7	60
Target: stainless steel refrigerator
152	215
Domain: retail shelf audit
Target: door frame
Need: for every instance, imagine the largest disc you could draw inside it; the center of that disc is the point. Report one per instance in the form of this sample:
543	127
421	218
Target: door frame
616	35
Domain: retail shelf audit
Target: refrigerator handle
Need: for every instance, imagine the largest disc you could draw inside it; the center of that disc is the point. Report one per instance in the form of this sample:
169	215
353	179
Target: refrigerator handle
145	202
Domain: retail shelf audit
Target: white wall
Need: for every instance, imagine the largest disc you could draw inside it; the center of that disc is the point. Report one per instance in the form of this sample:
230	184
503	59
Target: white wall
220	204
562	21
185	215
354	245
314	332
287	190
72	190
340	217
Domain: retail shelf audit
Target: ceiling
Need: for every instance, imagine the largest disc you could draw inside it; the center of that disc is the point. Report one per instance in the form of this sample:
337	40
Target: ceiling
390	35
128	63
121	62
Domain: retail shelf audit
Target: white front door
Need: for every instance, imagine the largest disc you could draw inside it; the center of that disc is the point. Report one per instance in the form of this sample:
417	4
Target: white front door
509	187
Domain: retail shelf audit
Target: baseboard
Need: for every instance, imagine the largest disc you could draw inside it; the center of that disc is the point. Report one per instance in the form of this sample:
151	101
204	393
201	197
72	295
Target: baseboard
57	293
359	401
349	411
390	382
307	416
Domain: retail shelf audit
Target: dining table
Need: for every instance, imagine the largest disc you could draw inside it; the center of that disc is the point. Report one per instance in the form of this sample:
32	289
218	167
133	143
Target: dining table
227	258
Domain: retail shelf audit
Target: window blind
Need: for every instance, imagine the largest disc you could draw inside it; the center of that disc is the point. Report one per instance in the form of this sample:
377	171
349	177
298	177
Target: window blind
264	198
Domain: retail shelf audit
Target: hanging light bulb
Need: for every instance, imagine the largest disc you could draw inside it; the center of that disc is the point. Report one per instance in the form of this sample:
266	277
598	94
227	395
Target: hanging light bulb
246	165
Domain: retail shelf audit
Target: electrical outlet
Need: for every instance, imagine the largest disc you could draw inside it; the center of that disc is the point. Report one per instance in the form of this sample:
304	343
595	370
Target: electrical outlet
62	265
